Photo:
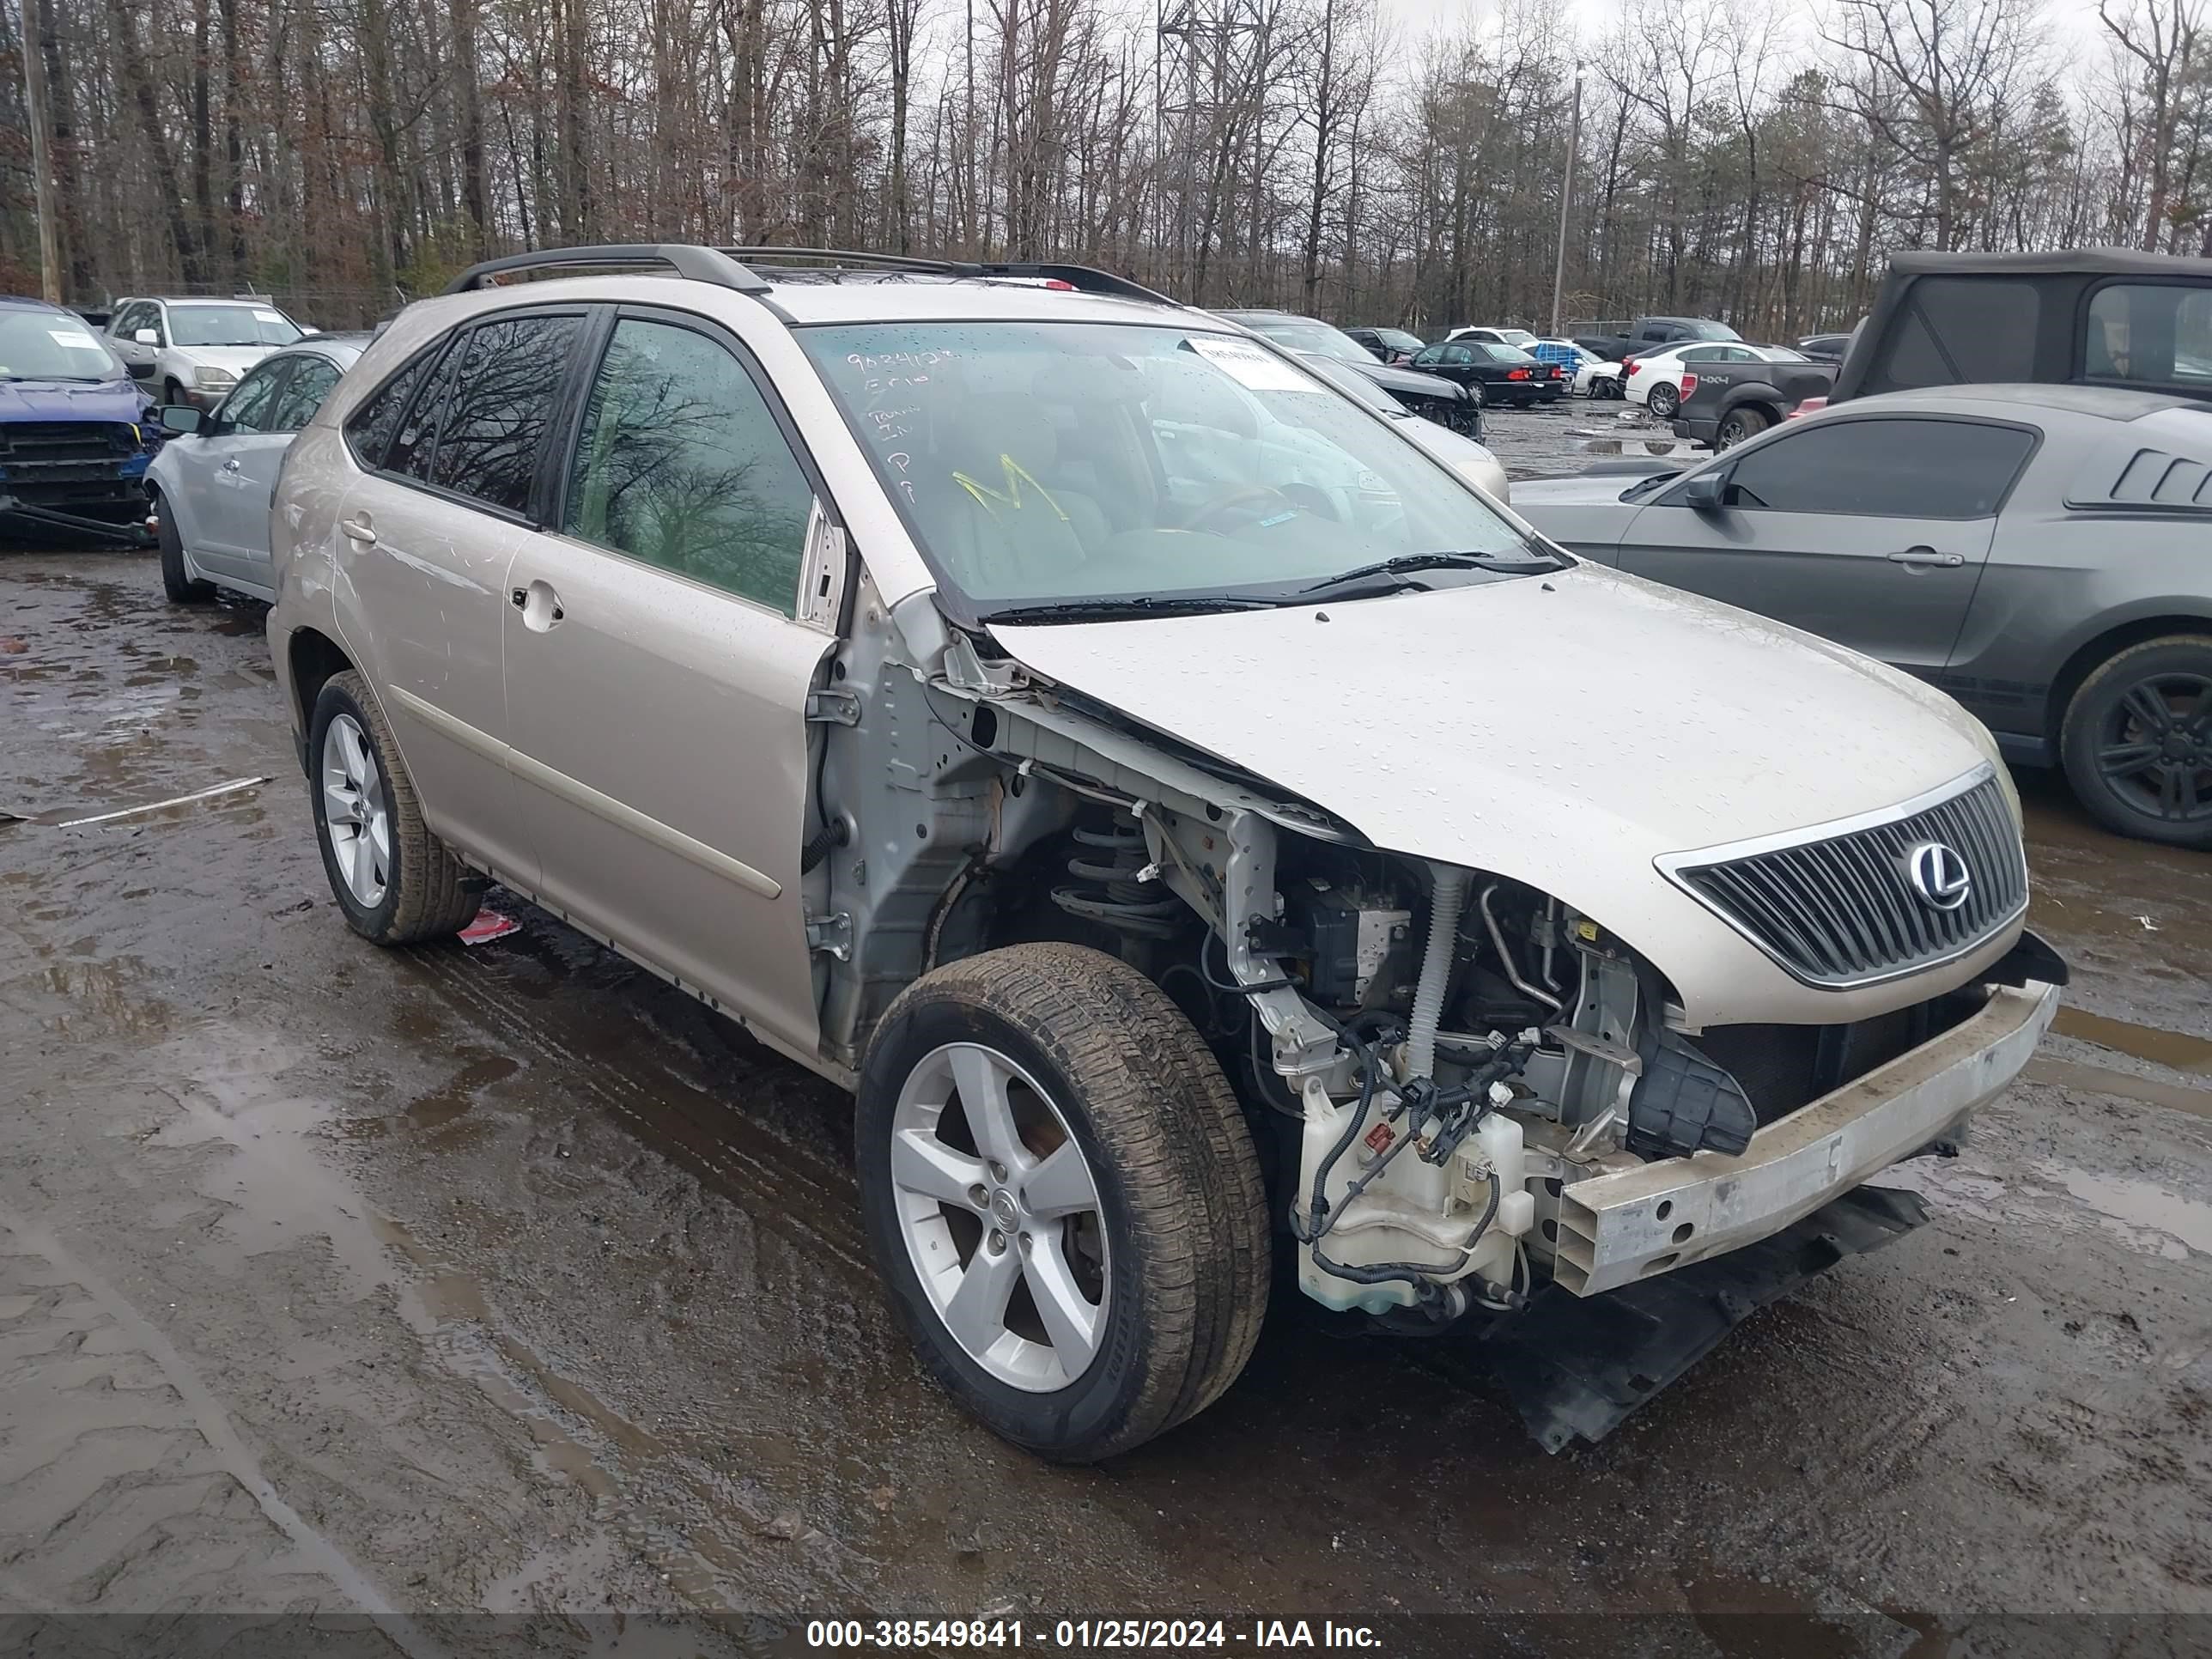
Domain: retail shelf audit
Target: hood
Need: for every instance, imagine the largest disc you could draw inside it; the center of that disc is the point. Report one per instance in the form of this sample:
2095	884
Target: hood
1562	730
236	359
1410	382
69	401
1588	488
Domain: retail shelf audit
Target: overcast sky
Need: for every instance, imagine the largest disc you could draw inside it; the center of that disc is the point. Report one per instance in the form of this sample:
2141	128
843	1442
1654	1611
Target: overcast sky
2073	21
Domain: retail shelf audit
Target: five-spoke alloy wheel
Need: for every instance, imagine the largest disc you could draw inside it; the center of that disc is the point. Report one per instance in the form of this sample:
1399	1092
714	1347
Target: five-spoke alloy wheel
2137	741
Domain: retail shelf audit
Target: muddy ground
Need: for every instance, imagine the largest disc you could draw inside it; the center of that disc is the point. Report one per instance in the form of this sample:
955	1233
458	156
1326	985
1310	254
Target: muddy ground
507	1280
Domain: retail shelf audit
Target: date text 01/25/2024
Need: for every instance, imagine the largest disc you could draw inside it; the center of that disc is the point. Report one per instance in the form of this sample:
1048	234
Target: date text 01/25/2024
1085	1633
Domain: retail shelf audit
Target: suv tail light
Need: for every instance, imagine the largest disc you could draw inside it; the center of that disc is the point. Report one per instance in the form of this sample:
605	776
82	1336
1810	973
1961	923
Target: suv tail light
1689	385
1809	406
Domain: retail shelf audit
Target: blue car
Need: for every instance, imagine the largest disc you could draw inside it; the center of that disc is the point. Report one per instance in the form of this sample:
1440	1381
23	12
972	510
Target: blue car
76	431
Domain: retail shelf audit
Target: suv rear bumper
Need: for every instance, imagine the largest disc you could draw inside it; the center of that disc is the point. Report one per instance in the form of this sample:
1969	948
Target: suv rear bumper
1616	1228
1702	430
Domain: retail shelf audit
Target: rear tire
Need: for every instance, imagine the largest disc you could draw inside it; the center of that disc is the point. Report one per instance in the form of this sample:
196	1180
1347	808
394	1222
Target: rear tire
181	587
1738	425
1665	400
2136	742
1073	1055
396	883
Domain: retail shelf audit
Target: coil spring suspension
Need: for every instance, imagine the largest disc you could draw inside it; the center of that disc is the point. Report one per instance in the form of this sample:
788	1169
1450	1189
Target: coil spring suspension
1112	895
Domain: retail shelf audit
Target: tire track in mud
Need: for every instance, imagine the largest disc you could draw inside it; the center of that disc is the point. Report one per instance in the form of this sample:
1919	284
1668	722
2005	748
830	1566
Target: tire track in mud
123	1482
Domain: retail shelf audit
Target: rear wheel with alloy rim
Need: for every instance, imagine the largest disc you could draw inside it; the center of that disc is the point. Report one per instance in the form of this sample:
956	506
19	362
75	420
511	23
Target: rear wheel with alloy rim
1739	424
1063	1198
1665	400
2137	742
396	882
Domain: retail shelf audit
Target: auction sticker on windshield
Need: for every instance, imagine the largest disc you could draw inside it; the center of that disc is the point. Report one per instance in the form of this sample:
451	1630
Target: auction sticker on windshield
1248	365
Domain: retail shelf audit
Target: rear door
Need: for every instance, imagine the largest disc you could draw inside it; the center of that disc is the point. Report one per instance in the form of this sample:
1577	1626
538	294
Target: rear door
656	673
1871	531
452	446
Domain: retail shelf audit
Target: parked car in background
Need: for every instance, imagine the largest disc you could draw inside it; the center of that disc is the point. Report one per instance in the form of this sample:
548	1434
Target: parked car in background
1653	334
74	435
194	350
2095	316
1825	348
1520	338
1661	380
976	728
1387	345
2039	552
1589	374
1439	399
1493	373
1470	459
210	485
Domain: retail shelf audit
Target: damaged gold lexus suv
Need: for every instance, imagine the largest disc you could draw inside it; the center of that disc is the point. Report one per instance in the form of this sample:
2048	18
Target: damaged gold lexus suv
1205	833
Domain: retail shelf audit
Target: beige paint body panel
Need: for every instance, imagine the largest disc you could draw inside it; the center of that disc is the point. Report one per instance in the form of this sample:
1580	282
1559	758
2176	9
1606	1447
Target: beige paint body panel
658	733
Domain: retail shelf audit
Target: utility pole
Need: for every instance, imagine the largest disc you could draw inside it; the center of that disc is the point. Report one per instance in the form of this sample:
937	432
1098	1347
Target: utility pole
42	169
1566	202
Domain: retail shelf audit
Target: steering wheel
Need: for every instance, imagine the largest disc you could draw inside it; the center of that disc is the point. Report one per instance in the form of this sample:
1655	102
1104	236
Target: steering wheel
1250	495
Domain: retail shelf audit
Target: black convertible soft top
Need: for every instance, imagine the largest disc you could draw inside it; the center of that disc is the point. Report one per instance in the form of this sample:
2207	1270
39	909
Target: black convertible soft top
2080	261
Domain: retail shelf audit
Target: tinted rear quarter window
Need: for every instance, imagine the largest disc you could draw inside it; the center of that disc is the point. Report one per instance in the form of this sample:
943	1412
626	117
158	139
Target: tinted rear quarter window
371	427
1900	468
494	417
1951	331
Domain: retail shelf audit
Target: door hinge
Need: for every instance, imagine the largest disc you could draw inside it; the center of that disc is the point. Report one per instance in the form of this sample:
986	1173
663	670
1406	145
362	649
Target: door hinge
833	707
832	933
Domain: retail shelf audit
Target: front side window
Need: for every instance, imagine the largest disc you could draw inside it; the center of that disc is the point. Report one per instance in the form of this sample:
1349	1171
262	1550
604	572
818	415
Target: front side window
682	464
1043	465
230	325
311	382
507	372
248	409
2150	334
1893	468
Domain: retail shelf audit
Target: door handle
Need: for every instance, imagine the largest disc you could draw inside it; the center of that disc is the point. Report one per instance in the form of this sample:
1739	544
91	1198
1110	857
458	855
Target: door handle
539	604
359	527
1928	558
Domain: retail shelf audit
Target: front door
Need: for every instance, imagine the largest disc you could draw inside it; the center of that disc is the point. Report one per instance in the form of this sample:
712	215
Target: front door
452	448
227	490
123	334
1870	531
657	679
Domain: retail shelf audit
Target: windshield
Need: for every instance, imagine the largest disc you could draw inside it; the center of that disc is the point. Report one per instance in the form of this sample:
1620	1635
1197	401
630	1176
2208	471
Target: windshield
1354	385
230	325
1785	354
1045	463
1304	334
1399	340
51	345
1703	331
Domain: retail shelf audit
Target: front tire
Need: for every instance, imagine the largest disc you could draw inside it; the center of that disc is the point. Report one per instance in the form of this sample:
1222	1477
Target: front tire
396	883
2136	742
181	587
1665	400
172	393
1063	1198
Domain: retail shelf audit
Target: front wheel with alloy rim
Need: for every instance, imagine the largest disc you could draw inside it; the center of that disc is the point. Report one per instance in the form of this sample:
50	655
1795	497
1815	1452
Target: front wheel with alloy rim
2137	741
1063	1198
396	883
1665	400
176	581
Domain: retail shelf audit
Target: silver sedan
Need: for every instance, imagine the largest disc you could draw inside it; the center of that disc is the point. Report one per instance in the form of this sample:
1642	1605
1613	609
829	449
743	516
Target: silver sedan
212	482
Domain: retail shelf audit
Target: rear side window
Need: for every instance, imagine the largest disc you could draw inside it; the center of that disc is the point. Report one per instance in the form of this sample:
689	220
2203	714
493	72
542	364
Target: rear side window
1953	331
1891	469
681	464
371	427
2150	334
311	382
494	417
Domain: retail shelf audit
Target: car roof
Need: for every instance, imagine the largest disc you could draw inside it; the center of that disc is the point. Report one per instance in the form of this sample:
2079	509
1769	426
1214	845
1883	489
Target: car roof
974	301
198	300
2109	403
31	302
341	349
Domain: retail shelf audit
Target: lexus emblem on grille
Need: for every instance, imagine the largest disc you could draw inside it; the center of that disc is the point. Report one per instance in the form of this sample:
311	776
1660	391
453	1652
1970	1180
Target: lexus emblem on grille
1938	876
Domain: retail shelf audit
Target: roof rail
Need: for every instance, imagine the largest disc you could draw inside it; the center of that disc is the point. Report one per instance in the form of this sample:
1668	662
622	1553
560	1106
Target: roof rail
1086	278
701	265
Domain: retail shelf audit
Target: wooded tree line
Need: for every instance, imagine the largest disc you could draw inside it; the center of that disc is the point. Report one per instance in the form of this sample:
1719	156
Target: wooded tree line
1750	161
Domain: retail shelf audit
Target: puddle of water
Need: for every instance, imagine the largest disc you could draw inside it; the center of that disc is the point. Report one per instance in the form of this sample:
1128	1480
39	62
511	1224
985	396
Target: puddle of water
2182	1053
2120	1086
2132	1208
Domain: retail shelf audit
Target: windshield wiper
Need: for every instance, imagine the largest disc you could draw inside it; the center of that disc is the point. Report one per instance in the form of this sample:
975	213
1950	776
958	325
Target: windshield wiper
1392	575
1174	604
